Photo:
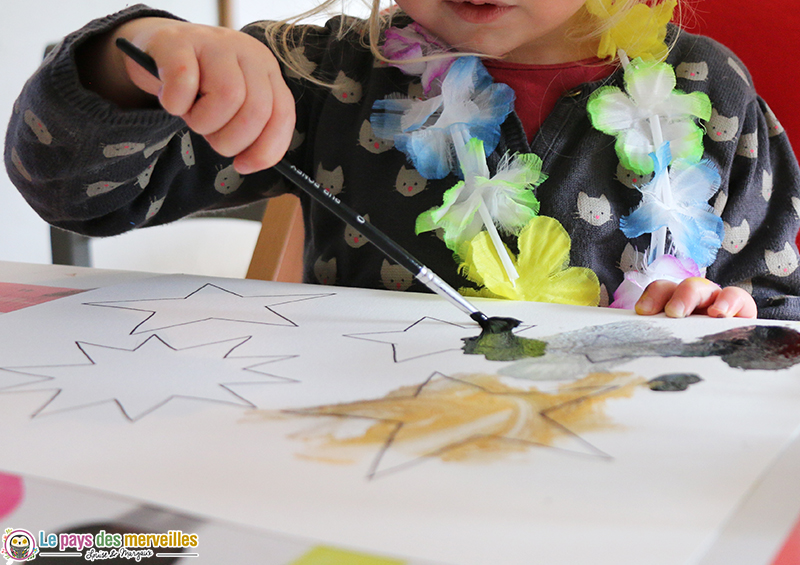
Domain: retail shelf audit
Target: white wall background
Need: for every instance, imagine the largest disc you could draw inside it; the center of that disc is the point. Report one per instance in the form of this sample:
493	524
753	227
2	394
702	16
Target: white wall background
25	29
247	11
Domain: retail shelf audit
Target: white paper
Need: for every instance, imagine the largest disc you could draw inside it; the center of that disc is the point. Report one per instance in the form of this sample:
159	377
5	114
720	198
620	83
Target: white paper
188	392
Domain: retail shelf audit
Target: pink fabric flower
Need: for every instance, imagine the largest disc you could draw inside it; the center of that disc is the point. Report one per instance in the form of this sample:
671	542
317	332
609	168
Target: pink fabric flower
666	267
415	42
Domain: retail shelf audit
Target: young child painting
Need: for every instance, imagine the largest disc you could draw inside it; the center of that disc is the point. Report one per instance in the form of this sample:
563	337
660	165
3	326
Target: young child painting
586	152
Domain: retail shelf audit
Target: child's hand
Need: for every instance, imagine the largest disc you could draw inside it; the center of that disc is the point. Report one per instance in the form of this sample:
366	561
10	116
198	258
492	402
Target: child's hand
226	86
696	295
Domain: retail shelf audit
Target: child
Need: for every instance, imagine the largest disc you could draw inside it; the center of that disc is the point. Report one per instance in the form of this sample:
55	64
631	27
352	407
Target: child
360	106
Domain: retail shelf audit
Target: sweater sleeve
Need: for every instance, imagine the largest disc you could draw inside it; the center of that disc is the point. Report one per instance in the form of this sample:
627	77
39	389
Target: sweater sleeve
88	166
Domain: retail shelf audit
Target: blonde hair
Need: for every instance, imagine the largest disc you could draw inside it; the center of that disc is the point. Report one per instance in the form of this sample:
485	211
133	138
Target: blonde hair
285	36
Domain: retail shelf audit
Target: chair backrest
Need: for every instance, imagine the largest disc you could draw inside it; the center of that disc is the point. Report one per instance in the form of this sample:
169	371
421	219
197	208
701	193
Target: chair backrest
278	255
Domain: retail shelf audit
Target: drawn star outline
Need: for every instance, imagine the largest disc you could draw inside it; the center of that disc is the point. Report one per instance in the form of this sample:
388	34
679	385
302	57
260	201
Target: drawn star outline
209	302
142	379
427	336
390	460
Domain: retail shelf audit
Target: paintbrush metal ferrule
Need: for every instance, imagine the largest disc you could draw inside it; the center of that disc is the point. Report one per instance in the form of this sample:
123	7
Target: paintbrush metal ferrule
435	283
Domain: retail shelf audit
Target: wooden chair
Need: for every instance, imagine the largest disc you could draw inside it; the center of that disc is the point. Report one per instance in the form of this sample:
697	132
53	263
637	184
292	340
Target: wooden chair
278	255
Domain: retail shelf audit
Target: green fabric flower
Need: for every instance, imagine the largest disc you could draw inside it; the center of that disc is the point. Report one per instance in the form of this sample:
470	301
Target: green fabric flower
650	93
508	195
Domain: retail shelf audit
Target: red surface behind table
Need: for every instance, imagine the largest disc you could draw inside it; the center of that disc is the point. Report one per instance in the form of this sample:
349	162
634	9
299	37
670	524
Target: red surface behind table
15	296
790	554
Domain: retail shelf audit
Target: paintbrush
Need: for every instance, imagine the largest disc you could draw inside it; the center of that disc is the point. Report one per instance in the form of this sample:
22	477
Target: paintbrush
379	239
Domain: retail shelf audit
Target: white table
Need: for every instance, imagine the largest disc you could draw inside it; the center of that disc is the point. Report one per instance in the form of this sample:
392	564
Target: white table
752	533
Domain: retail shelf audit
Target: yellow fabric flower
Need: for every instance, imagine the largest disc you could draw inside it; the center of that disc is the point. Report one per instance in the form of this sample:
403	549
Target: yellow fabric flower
544	274
640	32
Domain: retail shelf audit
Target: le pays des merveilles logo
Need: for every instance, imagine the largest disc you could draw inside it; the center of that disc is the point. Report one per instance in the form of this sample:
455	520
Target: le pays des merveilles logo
18	546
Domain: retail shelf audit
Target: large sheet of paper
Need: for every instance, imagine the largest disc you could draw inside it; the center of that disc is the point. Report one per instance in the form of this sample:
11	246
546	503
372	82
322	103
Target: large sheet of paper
354	417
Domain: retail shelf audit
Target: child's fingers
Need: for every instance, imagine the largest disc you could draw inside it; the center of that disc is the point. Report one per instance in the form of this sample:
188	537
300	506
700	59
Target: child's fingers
692	294
141	78
226	85
655	297
696	295
228	88
257	109
274	140
733	301
677	300
179	71
222	88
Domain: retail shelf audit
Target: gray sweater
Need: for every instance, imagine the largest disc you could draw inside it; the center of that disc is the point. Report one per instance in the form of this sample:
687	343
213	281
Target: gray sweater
87	166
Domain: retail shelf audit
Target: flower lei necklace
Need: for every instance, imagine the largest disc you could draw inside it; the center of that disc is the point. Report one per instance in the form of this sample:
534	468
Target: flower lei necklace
457	125
655	129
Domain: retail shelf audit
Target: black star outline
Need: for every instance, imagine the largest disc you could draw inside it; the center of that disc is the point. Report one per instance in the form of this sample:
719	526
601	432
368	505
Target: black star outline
236	400
287	299
375	471
410	328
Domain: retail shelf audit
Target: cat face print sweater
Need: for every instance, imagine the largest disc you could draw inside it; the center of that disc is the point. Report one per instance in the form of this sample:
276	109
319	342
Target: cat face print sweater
87	166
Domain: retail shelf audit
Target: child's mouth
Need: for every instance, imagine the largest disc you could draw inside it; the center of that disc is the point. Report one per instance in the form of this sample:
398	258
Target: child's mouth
476	11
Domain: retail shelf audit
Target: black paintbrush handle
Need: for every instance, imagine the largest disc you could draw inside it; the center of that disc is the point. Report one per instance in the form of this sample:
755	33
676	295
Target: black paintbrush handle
379	239
329	201
143	59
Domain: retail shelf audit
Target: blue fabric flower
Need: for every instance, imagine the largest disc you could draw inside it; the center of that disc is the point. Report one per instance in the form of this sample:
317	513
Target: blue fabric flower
422	129
697	232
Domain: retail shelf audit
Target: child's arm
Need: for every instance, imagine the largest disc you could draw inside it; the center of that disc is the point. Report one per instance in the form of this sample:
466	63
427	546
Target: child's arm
91	149
696	295
224	84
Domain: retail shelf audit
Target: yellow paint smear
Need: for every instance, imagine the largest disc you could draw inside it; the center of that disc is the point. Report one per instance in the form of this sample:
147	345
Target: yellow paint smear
328	460
323	555
475	416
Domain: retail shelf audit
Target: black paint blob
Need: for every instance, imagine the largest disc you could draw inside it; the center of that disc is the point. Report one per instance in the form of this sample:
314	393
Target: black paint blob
497	342
673	382
499	325
768	348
